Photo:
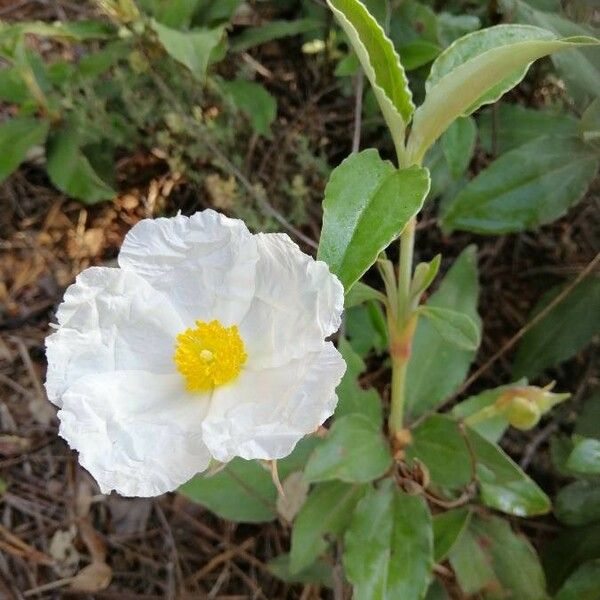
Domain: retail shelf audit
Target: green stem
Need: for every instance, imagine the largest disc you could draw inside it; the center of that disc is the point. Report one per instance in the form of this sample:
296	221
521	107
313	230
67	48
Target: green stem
396	420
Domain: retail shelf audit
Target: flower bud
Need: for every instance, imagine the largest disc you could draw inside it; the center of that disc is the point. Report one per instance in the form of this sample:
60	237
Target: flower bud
524	406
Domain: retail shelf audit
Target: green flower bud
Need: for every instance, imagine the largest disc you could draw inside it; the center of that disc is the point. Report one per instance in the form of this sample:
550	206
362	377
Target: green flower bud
522	413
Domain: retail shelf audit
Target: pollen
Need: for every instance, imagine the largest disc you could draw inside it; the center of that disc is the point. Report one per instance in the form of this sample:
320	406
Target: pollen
210	355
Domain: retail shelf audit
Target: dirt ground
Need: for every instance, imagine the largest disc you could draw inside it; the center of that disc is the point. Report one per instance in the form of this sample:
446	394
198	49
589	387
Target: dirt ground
54	522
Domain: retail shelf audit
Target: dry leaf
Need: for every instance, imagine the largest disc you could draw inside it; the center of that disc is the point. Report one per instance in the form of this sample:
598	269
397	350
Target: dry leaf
93	578
295	491
64	552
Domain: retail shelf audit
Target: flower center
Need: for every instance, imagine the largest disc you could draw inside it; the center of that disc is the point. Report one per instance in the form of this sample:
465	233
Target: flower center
209	355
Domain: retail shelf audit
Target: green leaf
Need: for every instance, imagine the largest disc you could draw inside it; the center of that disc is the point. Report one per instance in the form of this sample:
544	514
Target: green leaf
513	559
585	457
572	547
451	27
588	421
70	171
319	572
255	102
243	491
352	398
360	293
505	126
367	328
437	368
584	584
389	546
567	328
418	53
424	275
380	63
437	591
353	451
327	511
367	204
471	565
12	86
438	443
579	502
527	187
448	455
71	30
191	48
503	484
17	137
579	67
491	429
448	526
477	69
273	30
458	144
456	328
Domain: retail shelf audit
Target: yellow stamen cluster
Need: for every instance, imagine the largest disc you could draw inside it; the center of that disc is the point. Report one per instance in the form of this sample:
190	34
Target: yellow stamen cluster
209	355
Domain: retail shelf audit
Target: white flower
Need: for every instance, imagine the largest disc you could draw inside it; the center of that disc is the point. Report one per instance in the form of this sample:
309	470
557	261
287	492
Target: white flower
207	342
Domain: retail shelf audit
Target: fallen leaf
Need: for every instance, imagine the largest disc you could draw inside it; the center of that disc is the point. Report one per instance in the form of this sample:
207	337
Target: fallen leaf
93	578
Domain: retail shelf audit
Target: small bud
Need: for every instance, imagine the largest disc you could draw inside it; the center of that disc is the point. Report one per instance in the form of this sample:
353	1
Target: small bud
524	406
522	413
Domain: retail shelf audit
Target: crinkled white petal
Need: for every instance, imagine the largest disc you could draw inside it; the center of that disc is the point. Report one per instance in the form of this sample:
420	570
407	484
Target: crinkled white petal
264	413
297	303
137	433
206	263
110	320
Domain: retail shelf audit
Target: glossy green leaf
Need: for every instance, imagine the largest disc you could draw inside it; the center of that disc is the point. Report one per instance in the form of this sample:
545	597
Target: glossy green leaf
243	491
255	102
191	48
353	451
17	137
319	572
389	546
567	328
273	30
585	457
506	126
503	485
527	187
379	61
437	368
454	327
514	560
438	443
458	144
70	171
475	70
367	204
579	502
353	399
448	526
584	584
326	512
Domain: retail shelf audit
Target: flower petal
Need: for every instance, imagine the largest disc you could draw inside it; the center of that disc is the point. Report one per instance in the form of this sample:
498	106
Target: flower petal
297	303
206	263
110	320
137	433
266	412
